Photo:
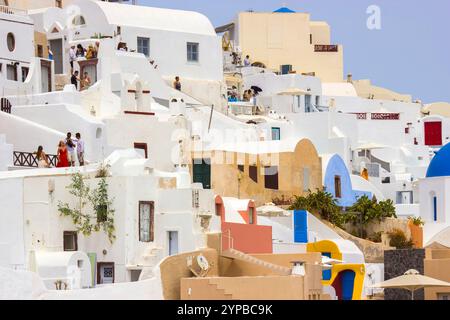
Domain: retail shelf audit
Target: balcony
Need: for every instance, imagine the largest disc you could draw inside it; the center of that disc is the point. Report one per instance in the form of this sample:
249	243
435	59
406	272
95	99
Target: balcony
9	10
29	160
326	48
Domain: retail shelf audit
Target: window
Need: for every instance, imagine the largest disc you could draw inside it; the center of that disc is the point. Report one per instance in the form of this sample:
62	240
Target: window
253	173
78	21
70	241
192	52
58	3
286	68
134	275
310	38
241	167
143	46
11	72
271	177
146	221
251	217
25	71
141	148
305	179
11	42
443	296
337	187
40	51
276	134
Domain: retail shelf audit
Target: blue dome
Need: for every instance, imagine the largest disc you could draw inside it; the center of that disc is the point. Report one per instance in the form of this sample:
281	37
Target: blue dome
284	10
440	165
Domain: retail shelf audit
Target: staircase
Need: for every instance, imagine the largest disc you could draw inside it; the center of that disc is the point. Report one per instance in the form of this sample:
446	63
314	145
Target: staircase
235	254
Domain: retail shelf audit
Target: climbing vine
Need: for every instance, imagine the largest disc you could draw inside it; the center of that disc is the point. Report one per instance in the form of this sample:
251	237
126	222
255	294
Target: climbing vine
95	200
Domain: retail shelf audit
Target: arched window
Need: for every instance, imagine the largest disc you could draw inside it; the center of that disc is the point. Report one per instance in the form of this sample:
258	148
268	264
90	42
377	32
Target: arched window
78	21
11	42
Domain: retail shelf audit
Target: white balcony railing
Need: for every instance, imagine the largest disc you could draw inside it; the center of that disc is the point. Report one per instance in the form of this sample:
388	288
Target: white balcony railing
9	10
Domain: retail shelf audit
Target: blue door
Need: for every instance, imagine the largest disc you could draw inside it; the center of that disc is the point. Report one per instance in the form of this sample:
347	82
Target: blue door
300	226
348	282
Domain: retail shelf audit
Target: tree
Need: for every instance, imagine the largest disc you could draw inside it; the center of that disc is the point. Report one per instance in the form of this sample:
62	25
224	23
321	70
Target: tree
320	202
96	200
370	210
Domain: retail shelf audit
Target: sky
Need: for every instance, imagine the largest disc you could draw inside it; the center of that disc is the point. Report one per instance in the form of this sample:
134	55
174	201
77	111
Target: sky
409	54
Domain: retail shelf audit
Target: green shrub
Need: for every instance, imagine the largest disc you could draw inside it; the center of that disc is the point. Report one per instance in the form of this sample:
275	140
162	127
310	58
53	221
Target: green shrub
398	240
417	221
376	237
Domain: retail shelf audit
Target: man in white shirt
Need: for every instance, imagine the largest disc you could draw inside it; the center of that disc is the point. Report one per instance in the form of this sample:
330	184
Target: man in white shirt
72	56
80	149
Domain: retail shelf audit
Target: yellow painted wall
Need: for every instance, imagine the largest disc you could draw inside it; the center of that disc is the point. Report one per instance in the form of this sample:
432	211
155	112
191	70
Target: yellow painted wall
41	39
32	4
276	39
225	176
365	89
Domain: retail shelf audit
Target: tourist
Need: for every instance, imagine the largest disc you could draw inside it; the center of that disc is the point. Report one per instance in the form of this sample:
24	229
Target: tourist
72	57
42	158
247	61
71	150
74	79
177	83
80	149
62	155
365	174
86	82
81	52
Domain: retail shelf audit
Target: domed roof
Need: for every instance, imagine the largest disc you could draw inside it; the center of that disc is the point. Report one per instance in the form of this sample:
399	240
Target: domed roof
284	10
440	165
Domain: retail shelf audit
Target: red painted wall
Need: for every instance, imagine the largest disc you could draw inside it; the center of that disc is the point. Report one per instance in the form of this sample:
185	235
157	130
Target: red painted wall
247	238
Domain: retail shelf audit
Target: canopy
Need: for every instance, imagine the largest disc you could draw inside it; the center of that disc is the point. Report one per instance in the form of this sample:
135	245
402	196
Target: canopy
412	280
293	92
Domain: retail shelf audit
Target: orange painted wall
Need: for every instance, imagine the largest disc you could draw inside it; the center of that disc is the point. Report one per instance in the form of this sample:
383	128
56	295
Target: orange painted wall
247	238
416	235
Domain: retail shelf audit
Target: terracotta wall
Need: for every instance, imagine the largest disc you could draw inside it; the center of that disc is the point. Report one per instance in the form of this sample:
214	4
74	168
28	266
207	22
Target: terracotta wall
247	238
437	265
416	235
228	181
243	288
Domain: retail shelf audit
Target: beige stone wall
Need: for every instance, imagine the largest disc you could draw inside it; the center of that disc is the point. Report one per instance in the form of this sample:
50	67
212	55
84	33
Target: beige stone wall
174	268
437	265
277	39
228	181
32	4
365	89
243	288
41	39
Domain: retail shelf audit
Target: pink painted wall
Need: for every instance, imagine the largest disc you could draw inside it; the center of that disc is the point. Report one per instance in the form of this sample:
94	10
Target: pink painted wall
248	238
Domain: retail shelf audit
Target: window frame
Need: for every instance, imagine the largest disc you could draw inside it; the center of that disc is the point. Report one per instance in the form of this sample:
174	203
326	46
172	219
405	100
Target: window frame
276	129
151	221
189	53
272	183
138	46
253	173
74	234
337	186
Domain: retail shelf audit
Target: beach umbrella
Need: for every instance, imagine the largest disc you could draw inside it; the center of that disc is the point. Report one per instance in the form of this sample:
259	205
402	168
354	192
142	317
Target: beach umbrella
293	92
412	281
270	209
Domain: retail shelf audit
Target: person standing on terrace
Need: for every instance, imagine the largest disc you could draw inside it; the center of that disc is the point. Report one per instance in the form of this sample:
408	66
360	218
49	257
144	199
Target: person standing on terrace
177	83
70	145
80	149
72	57
42	158
63	160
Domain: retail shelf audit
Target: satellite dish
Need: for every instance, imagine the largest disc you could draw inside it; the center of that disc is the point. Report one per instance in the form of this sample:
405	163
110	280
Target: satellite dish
202	262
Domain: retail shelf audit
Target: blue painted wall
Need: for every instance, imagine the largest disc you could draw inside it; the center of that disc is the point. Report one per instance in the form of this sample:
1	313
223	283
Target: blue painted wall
337	167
